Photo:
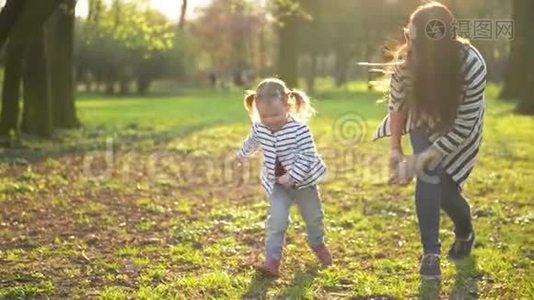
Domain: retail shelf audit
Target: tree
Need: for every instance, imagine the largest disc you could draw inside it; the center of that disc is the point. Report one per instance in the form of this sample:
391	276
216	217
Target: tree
61	55
26	31
8	17
183	11
288	51
232	33
37	115
346	30
123	43
524	18
516	74
9	117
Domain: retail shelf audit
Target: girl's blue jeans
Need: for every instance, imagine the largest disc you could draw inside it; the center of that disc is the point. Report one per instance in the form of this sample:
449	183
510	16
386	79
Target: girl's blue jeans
309	204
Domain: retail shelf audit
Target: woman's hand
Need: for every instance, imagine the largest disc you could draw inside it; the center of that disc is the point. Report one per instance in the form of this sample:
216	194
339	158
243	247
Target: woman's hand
410	167
395	158
406	171
428	158
286	181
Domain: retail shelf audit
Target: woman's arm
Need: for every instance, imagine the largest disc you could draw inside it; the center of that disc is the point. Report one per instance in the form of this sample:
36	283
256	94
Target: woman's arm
468	112
397	114
397	122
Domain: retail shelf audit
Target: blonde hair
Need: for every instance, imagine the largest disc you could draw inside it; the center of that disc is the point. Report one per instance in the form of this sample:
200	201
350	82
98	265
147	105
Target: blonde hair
274	89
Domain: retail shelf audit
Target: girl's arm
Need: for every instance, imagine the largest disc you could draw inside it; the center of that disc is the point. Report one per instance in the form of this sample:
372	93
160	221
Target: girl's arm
305	156
250	145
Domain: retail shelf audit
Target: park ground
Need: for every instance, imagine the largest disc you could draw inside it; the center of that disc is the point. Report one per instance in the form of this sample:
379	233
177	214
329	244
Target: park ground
145	202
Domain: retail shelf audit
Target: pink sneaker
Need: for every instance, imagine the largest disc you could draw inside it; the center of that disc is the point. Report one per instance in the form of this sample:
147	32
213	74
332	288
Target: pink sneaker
323	254
270	267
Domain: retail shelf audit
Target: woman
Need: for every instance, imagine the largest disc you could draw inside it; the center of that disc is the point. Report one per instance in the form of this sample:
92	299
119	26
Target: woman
437	96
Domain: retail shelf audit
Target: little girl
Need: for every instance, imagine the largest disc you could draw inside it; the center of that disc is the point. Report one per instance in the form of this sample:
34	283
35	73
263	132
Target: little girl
291	166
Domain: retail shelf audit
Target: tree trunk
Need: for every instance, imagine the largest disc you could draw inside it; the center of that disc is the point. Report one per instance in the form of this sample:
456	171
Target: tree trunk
526	104
341	65
37	116
110	88
143	84
31	19
9	16
61	54
262	52
124	85
11	90
183	11
516	70
312	73
288	50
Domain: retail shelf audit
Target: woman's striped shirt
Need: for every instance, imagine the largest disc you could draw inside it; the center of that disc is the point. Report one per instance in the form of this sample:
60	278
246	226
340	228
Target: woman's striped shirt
293	146
461	144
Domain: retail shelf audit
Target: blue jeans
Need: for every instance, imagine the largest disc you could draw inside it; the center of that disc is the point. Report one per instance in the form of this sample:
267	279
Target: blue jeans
309	204
431	196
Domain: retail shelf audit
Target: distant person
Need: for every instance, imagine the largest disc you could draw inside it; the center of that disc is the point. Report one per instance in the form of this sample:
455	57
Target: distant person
291	168
437	96
213	79
238	78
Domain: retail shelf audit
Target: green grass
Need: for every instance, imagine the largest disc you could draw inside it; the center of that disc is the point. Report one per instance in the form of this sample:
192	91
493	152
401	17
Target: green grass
166	214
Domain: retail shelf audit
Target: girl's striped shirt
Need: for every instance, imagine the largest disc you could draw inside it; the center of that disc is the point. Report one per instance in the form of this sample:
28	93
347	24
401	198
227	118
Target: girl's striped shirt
293	146
461	144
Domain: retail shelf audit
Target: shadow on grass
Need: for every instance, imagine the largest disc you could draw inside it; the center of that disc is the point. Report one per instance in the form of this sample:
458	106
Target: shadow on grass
258	286
466	283
88	143
429	289
297	288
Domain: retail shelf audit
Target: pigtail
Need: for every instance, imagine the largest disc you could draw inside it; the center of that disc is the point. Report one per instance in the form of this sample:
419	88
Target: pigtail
301	107
248	102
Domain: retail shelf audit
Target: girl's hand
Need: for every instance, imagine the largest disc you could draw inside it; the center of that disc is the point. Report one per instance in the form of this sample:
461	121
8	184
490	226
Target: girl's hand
286	181
240	160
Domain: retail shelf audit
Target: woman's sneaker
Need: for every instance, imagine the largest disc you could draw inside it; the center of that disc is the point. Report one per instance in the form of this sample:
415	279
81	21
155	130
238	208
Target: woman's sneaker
323	254
462	248
271	267
430	267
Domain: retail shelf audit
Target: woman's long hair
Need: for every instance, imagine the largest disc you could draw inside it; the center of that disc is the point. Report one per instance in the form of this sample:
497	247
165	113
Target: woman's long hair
434	61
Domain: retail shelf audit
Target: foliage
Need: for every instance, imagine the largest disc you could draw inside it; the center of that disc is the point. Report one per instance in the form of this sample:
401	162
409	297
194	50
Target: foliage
235	35
124	41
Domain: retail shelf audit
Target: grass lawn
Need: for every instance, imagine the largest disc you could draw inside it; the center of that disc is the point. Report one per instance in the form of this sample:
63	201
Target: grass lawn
145	202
